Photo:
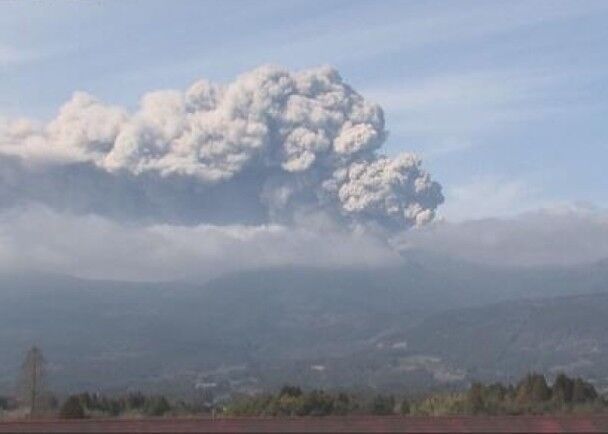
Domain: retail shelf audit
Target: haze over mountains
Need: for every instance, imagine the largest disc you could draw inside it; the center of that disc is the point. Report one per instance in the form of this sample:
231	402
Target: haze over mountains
431	321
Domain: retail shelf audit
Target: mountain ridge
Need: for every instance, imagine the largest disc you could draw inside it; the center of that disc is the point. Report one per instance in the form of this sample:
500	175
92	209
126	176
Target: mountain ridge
358	327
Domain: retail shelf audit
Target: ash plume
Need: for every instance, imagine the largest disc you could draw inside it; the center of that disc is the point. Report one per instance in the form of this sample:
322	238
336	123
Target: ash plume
261	149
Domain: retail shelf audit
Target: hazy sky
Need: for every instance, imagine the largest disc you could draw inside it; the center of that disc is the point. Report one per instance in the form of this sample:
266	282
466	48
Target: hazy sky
505	101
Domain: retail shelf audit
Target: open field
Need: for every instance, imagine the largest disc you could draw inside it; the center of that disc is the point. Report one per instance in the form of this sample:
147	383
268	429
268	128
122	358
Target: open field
427	425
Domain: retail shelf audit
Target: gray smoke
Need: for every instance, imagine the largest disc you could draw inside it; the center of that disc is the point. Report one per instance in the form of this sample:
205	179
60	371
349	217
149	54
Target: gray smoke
268	146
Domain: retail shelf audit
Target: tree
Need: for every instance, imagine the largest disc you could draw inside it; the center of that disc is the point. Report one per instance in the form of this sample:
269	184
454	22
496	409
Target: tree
533	389
32	381
72	408
475	398
562	389
382	405
583	391
404	408
157	406
343	404
317	403
288	390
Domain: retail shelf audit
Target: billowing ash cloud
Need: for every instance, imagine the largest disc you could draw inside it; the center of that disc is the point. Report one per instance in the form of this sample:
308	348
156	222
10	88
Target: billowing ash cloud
261	149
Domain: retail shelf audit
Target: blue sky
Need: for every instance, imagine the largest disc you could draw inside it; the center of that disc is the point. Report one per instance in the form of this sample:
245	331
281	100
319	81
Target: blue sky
505	101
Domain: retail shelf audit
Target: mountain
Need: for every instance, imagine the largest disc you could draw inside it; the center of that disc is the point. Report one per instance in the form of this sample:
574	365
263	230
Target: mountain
376	327
508	339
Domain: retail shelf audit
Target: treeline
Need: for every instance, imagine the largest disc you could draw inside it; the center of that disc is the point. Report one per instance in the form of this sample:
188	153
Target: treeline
292	401
531	395
96	405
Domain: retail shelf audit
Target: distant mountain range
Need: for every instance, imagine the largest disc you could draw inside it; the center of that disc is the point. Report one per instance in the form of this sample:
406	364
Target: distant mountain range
432	322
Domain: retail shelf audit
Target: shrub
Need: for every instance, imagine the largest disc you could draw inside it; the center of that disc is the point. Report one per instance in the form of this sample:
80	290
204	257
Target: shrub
157	406
382	405
72	409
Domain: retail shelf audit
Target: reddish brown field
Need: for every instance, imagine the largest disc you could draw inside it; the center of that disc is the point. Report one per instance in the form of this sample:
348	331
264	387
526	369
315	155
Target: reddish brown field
428	425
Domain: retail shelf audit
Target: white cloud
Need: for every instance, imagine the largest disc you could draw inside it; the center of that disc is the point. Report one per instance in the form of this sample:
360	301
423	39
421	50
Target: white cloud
38	238
560	235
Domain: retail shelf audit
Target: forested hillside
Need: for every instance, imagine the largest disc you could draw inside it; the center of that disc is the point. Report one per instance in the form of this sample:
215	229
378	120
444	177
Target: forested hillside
432	322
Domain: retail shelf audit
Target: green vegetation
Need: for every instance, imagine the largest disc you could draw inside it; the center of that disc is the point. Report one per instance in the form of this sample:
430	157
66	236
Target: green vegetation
96	405
72	409
291	401
532	395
